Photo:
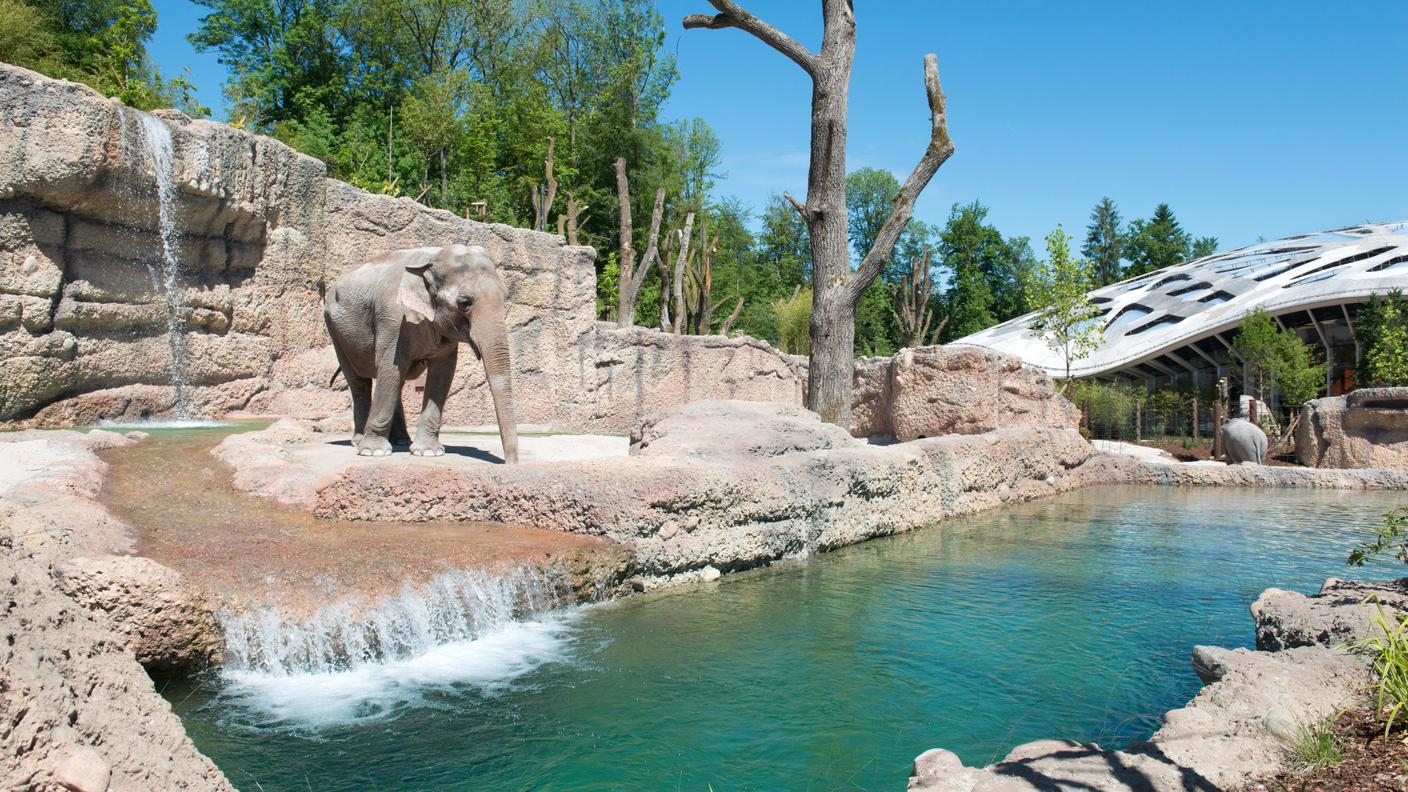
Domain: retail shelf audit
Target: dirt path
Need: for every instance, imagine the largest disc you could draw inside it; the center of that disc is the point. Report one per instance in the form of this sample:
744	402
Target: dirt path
188	516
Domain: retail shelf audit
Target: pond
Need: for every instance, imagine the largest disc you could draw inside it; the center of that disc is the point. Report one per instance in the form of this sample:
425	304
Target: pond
1068	617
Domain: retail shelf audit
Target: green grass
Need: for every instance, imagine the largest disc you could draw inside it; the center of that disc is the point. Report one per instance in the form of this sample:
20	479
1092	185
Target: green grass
1389	648
1315	746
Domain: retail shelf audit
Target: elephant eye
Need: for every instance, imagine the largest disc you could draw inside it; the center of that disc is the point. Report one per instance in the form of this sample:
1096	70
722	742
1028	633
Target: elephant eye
464	301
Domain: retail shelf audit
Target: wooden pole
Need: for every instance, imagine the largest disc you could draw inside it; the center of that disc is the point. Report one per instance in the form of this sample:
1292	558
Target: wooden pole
1195	420
1138	420
1216	430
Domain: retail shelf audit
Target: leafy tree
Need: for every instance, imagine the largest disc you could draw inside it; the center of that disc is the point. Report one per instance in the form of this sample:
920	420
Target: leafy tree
1203	247
1065	318
978	256
1274	358
1381	331
98	42
1156	243
870	192
1105	242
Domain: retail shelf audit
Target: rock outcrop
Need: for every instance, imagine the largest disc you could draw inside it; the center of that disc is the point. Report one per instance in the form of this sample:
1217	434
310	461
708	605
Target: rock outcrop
1367	428
934	391
1342	612
728	485
78	710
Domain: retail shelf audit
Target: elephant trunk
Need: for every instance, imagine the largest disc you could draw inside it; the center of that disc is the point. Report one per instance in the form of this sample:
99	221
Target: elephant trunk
491	340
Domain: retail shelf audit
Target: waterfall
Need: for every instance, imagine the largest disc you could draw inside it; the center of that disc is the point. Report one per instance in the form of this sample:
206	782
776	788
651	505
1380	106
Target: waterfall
157	137
354	632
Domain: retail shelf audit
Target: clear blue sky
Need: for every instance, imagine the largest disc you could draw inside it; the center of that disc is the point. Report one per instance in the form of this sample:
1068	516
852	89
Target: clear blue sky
1251	119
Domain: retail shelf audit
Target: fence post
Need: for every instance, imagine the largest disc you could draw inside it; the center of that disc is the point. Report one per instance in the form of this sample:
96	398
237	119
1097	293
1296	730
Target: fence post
1138	420
1216	429
1195	420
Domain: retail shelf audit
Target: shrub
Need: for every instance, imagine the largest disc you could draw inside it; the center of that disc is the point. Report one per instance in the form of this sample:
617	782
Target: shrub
1388	647
793	330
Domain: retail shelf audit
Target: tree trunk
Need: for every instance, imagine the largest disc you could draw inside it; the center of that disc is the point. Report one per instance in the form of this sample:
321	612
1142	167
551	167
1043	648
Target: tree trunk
681	256
732	317
835	289
626	257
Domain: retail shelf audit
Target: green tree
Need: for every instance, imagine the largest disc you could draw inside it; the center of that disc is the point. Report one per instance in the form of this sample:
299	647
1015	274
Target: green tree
1156	243
1105	242
1272	358
1066	319
1203	247
978	256
1381	332
99	42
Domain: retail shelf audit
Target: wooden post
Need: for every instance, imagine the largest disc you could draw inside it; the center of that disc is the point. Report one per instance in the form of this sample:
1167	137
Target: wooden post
1251	412
1138	420
1216	429
1195	420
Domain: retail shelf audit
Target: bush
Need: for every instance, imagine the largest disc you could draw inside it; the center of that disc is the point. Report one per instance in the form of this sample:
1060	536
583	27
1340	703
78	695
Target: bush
1389	649
793	323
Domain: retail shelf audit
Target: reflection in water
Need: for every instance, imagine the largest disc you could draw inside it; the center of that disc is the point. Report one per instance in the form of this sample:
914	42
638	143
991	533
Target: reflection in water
1070	617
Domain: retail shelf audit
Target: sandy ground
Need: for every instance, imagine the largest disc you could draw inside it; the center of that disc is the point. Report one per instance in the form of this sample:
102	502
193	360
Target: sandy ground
1153	456
188	516
330	456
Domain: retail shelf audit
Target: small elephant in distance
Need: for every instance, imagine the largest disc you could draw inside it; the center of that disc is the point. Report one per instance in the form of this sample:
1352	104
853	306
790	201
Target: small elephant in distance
1243	441
404	314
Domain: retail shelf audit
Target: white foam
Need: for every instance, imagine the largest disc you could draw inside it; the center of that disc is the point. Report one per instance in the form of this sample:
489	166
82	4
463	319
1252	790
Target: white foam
377	690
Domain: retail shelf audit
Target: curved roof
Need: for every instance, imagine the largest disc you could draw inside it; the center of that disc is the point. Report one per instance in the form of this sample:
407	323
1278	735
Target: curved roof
1153	313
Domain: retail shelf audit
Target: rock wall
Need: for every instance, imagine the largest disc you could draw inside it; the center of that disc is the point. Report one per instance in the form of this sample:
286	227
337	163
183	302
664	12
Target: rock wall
261	232
1367	428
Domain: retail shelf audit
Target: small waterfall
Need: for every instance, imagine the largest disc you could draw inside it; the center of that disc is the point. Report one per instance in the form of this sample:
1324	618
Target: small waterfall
354	632
157	137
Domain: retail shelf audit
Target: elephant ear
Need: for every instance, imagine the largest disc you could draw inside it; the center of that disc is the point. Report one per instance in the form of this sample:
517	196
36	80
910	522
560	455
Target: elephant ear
414	295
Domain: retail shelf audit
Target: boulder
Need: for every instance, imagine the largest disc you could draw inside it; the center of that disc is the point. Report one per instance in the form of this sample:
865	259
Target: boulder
1366	429
939	390
1343	611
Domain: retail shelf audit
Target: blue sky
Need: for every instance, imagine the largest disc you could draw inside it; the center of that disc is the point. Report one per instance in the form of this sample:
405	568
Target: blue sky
1252	119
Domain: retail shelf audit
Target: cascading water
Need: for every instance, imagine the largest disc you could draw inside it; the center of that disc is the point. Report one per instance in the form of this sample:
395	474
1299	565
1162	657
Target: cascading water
157	138
352	632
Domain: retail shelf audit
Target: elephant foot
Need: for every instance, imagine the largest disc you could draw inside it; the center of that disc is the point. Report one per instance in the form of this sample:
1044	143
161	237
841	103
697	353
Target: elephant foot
428	450
371	445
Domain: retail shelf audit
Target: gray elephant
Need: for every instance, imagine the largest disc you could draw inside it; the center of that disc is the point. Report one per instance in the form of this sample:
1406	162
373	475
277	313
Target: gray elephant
406	313
1243	441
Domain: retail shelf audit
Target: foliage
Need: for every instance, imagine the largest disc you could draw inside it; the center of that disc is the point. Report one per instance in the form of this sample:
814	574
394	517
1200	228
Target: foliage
1388	646
1269	357
1391	536
1381	331
1315	746
1202	247
793	316
98	42
1066	319
1104	242
1156	243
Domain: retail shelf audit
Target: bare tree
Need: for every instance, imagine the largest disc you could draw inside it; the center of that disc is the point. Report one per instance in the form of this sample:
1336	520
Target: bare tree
632	278
663	263
911	309
567	224
681	256
835	289
701	282
733	317
544	195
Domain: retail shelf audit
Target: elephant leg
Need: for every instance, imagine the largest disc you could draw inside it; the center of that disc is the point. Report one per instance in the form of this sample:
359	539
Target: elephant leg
400	437
361	388
386	400
437	388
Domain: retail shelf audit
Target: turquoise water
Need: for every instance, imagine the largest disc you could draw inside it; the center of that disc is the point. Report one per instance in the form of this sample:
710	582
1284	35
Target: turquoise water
1070	617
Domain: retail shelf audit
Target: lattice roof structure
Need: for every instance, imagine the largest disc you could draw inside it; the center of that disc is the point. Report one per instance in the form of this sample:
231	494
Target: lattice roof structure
1176	321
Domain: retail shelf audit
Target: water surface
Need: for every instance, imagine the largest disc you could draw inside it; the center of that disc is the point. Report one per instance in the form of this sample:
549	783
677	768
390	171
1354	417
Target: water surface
1069	617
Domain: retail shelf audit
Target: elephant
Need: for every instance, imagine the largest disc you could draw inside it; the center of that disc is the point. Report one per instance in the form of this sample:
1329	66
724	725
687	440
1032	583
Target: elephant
1243	441
404	314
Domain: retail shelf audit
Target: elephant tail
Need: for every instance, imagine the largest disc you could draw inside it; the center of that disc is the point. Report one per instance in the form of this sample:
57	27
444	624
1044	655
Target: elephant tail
333	378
